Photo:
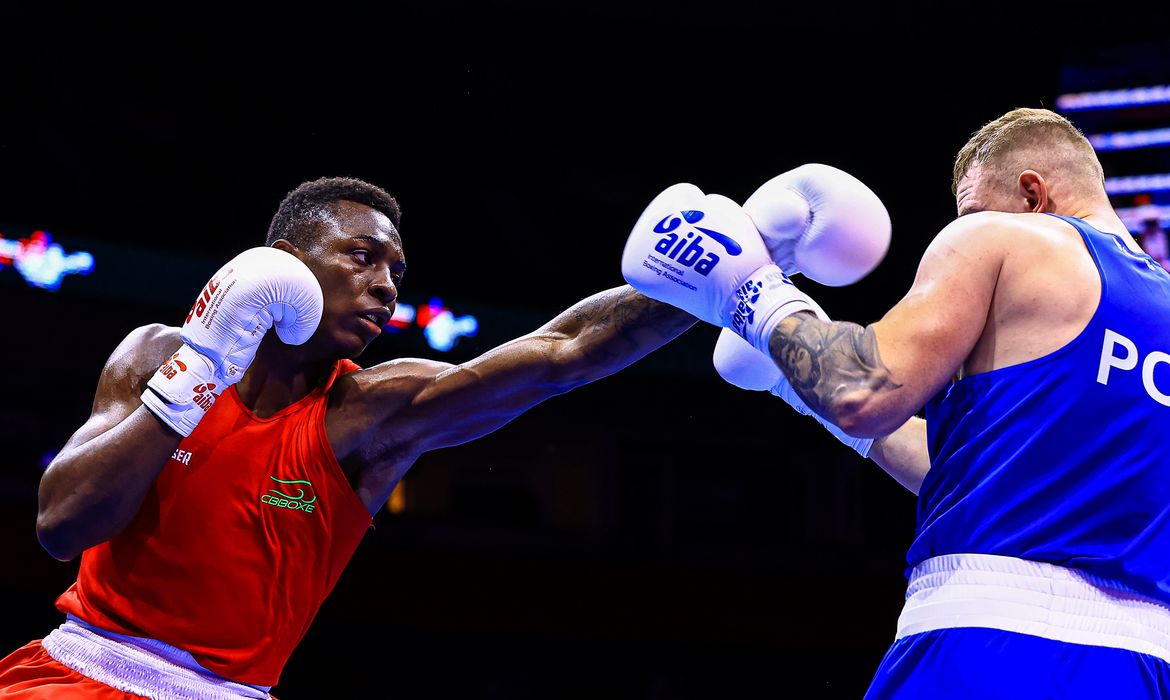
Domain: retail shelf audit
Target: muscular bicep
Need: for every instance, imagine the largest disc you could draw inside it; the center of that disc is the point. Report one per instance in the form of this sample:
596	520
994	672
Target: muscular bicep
123	379
925	338
96	484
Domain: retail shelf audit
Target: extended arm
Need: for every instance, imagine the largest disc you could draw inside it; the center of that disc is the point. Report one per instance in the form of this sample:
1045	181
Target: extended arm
96	484
593	339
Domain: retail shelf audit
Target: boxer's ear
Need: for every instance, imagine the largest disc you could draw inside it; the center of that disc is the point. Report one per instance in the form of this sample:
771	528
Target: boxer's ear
1034	189
286	246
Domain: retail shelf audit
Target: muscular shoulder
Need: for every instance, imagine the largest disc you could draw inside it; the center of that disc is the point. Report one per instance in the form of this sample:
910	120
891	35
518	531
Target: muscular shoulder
153	338
363	402
989	240
984	231
131	364
402	371
971	246
1046	289
386	384
992	230
148	345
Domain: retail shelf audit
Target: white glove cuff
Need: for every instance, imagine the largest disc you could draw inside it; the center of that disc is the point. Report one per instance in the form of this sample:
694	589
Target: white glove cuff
182	390
181	374
785	391
181	419
765	299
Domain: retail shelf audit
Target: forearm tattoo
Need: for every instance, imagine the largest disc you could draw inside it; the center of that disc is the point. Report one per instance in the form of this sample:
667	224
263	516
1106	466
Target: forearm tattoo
824	361
633	312
623	324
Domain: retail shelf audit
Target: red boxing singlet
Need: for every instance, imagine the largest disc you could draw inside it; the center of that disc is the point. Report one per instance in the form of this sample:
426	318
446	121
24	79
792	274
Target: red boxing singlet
242	537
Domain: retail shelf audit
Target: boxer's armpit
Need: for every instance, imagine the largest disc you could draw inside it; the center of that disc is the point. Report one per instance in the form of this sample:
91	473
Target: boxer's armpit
827	361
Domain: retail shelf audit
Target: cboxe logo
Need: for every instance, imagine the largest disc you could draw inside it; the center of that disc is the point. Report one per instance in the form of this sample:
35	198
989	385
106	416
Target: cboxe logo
686	247
287	499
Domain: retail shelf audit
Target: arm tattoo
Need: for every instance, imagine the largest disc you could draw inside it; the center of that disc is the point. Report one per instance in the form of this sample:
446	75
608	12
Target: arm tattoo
825	361
591	310
621	325
634	312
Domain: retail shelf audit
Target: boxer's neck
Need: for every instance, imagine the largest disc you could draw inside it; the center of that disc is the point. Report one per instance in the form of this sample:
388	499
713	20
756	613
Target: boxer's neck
280	376
1101	216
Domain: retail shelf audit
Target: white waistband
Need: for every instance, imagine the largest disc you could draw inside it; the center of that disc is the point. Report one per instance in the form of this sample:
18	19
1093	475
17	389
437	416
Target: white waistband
140	666
1029	597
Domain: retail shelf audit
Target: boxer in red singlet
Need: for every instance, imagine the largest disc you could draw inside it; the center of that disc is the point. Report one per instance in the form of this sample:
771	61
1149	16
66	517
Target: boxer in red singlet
214	517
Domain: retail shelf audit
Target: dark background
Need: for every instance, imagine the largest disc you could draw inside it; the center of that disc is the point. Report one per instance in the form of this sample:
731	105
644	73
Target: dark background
658	534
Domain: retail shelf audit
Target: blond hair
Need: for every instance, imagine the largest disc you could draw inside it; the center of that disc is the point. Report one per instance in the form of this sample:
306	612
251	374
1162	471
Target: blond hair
1031	139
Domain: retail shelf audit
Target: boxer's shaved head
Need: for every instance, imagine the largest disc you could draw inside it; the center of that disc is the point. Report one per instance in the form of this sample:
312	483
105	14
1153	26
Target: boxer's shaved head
1031	139
301	214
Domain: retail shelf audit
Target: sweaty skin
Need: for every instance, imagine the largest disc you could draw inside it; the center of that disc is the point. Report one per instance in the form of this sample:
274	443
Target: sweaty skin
379	420
1001	285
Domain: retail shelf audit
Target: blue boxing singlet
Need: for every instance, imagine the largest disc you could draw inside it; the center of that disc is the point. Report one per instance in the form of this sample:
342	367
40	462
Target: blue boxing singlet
1041	564
1064	459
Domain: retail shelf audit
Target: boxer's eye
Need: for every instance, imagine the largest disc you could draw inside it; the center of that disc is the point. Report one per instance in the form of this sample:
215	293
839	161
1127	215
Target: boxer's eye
362	256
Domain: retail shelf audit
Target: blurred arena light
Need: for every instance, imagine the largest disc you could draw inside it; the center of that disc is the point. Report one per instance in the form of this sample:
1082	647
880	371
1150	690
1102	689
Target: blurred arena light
1114	99
1126	140
42	262
441	327
1134	184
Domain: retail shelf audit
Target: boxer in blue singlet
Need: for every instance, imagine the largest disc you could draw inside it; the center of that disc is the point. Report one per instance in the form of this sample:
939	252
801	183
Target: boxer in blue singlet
1036	337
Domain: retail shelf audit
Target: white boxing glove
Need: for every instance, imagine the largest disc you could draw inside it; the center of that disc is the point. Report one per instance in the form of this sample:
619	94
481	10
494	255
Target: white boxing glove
702	254
747	368
255	290
821	222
